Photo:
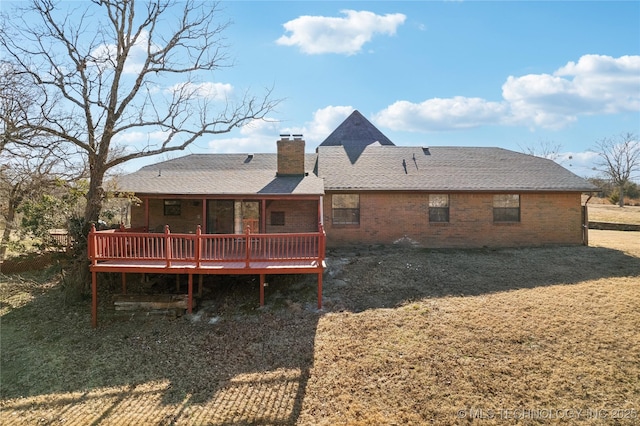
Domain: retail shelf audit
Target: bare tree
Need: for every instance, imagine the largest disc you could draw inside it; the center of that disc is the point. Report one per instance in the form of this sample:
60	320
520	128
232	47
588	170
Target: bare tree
30	164
105	65
619	160
105	68
545	149
26	174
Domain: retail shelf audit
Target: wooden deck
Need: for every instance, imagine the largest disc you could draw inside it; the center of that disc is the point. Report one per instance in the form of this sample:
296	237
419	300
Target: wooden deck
201	254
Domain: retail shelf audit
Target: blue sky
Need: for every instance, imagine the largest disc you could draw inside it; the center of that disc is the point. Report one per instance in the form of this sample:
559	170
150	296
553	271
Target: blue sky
511	74
507	74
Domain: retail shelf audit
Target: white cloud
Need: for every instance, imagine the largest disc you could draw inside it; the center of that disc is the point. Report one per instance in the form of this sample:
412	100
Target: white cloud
129	139
255	137
261	135
441	114
596	84
209	90
325	121
344	35
581	163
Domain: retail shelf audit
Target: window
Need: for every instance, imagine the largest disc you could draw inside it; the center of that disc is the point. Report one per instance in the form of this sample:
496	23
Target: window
345	209
506	208
438	208
172	207
277	218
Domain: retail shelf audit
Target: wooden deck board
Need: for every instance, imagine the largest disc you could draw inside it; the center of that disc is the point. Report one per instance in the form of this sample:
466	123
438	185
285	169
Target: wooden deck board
160	266
246	254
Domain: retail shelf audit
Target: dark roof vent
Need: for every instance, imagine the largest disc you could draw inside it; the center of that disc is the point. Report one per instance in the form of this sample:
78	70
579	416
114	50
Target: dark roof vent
425	150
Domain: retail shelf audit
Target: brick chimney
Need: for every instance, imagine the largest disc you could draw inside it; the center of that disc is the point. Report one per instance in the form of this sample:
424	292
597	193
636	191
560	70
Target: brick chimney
290	156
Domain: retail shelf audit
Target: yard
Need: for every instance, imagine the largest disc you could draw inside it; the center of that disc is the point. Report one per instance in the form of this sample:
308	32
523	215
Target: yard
407	336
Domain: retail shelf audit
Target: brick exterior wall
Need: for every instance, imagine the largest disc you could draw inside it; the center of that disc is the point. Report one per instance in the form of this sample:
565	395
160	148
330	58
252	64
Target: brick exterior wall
386	217
190	216
290	157
299	216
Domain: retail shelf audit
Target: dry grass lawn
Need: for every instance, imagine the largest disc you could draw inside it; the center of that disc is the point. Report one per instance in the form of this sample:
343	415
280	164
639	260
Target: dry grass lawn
407	336
614	214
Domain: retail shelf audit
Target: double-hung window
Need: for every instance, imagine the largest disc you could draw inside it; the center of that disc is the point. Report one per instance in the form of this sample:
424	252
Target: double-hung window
506	208
439	208
345	209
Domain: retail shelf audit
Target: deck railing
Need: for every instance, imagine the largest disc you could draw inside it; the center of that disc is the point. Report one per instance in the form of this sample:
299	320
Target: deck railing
199	248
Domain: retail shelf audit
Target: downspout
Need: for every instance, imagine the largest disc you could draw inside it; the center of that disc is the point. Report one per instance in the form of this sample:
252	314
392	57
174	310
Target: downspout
585	221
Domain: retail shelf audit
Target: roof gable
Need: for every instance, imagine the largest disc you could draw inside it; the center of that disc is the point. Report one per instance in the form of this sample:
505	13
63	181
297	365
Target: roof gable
355	134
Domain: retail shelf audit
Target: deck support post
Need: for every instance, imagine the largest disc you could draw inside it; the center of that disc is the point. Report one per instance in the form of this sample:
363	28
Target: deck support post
319	290
124	283
190	295
262	289
94	300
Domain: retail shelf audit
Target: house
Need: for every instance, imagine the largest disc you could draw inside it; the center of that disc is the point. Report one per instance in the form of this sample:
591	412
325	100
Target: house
365	189
225	193
273	213
376	192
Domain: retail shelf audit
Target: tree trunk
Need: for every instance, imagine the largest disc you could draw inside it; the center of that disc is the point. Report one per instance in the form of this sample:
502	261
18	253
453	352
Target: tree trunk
621	193
6	234
8	226
78	280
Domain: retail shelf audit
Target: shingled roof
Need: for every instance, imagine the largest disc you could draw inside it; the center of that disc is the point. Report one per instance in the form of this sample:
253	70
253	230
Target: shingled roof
232	174
444	169
355	134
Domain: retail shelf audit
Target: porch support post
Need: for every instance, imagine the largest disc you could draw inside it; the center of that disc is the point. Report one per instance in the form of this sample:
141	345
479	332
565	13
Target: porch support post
263	216
146	212
94	300
124	283
190	295
319	290
261	289
204	215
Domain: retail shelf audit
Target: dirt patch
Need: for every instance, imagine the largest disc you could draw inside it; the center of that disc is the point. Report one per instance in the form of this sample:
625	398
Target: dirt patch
407	336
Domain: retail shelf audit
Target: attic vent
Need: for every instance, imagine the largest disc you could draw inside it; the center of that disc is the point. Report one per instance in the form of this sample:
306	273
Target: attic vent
425	150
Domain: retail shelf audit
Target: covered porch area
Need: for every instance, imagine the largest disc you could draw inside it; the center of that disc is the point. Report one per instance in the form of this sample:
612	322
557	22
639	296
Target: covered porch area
128	250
